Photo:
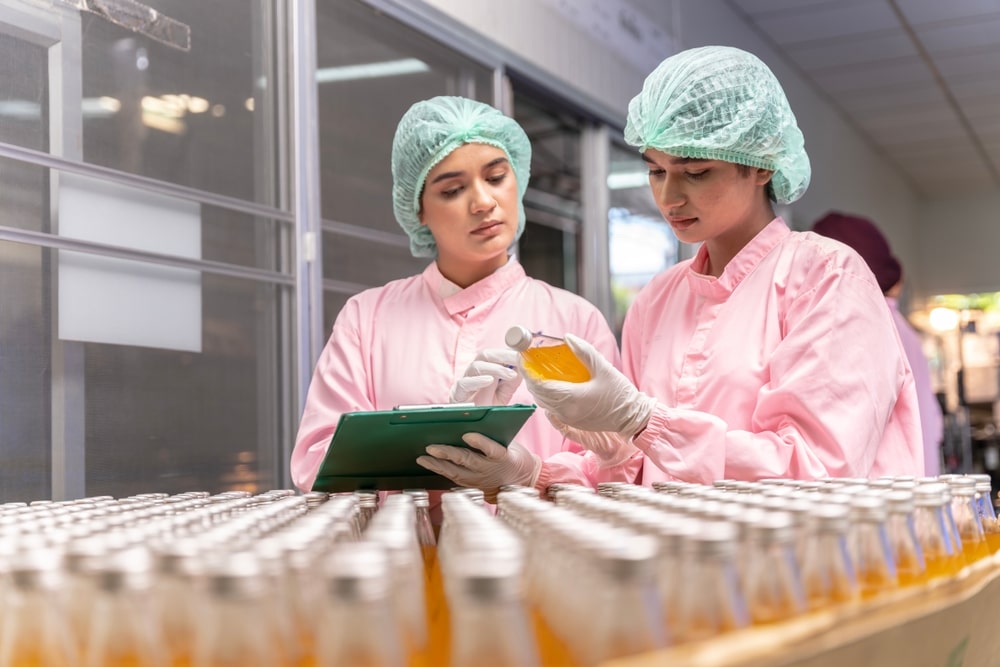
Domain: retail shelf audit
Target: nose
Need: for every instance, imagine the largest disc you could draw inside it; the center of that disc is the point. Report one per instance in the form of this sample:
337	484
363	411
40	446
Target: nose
482	198
668	192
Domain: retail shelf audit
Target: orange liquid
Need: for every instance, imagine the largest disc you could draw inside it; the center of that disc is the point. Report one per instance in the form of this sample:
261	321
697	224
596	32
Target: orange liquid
910	571
39	658
975	549
555	363
993	542
818	598
940	565
873	583
438	651
772	611
125	661
551	649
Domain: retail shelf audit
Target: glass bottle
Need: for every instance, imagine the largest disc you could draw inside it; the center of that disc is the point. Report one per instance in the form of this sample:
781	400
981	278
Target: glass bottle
987	513
79	560
434	600
708	596
546	357
873	559
773	584
910	564
124	629
359	628
228	629
36	629
367	506
828	575
175	590
966	515
489	625
626	598
935	536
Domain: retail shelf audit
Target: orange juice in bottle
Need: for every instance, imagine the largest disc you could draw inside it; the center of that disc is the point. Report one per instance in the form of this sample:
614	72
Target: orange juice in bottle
546	357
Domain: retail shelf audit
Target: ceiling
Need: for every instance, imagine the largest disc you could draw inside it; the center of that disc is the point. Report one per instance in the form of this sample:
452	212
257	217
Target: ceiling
920	79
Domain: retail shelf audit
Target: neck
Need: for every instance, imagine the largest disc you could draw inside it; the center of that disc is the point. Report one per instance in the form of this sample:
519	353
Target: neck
722	249
464	274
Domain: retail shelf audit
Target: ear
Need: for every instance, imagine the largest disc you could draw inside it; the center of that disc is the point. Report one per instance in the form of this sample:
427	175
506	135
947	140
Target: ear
763	176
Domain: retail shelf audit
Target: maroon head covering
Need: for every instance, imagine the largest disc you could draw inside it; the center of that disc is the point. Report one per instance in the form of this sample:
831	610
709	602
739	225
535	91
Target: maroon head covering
862	235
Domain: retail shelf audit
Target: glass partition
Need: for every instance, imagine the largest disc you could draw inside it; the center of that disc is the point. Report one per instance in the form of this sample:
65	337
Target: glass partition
640	243
370	70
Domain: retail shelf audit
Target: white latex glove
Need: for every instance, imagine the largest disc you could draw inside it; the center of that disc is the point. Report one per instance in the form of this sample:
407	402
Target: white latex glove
611	448
608	401
490	379
488	466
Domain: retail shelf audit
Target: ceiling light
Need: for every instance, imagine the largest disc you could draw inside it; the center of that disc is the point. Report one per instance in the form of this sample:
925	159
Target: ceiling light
943	319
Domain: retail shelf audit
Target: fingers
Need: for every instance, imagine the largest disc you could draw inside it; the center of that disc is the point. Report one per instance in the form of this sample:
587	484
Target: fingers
453	472
459	455
493	370
497	355
491	449
467	387
587	353
505	390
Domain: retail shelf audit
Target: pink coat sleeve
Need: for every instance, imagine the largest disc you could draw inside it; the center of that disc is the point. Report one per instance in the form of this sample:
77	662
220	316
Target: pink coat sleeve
839	393
340	383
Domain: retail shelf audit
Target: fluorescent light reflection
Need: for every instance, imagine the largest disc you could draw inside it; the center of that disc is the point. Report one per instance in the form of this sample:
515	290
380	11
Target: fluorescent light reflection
371	70
629	179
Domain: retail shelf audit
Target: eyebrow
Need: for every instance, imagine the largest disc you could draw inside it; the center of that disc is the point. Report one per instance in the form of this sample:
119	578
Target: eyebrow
452	174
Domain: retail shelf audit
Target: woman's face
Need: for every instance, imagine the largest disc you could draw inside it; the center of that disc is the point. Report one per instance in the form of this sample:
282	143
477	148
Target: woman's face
709	200
469	203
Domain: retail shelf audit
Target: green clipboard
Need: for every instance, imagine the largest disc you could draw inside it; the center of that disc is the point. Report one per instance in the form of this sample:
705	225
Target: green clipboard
378	450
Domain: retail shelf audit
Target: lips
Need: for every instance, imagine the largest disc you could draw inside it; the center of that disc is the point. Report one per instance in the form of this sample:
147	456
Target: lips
681	223
488	227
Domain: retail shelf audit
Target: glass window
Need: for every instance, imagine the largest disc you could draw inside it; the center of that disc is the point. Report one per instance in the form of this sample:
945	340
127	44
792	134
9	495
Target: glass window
25	372
197	118
371	69
23	104
640	242
134	419
548	249
175	421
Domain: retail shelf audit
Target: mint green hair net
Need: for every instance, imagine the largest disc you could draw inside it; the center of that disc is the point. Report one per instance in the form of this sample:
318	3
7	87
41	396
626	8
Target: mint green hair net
427	133
721	103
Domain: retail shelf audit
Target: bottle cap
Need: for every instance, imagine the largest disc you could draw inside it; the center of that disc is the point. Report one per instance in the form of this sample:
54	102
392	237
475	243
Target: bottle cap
518	338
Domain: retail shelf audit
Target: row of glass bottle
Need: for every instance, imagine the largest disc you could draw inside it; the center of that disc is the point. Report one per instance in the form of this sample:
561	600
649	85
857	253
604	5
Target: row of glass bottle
277	579
744	554
211	581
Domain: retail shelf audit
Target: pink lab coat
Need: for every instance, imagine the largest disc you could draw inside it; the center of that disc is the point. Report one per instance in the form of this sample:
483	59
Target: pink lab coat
931	423
787	365
407	342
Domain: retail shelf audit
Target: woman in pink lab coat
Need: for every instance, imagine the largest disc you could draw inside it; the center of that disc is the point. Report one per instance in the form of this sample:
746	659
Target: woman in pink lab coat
769	354
862	235
460	169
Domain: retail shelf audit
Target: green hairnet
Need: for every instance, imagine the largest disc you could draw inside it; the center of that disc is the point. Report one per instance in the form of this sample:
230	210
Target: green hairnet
428	132
721	103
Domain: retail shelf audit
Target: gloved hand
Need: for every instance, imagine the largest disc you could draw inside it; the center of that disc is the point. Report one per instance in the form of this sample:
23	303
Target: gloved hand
490	379
488	466
608	401
611	448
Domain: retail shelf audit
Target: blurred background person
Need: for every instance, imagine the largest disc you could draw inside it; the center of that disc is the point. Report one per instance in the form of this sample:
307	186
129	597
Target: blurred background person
862	235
